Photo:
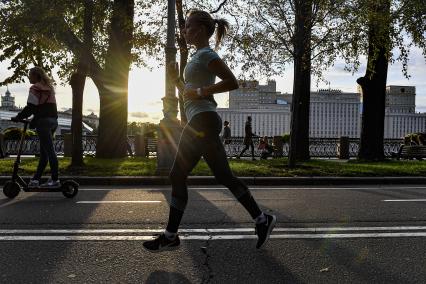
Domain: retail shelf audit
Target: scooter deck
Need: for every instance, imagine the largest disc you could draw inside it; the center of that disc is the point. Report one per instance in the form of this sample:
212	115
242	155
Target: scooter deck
43	189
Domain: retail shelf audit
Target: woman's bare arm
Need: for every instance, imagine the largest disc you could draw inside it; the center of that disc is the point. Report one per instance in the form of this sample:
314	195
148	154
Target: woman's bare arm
220	69
228	81
180	85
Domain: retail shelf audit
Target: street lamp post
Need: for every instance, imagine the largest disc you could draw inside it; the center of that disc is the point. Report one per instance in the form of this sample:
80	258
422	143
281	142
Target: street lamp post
169	129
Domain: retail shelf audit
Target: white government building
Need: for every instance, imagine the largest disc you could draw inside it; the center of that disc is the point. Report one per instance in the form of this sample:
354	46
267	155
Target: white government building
333	113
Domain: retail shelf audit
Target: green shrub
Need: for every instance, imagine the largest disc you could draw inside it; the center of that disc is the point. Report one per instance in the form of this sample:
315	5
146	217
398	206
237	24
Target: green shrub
416	138
15	133
286	138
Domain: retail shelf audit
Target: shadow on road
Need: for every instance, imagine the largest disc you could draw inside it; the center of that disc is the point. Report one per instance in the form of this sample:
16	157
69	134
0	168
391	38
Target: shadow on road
162	276
46	211
359	262
225	261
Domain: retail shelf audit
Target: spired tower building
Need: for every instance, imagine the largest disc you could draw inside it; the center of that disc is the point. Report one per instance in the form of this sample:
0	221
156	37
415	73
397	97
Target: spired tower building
7	101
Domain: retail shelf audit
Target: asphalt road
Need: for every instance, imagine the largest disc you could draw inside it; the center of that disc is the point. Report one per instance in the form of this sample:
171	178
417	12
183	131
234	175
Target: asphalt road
334	234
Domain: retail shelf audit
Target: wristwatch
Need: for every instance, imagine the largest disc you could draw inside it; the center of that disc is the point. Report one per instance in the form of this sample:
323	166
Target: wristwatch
200	92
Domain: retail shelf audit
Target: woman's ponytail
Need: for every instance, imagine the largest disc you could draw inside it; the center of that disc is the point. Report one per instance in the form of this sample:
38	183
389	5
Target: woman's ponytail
221	31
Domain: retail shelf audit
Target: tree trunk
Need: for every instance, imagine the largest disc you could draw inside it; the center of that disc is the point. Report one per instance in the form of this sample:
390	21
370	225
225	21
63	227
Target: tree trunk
299	134
77	83
373	85
112	135
112	131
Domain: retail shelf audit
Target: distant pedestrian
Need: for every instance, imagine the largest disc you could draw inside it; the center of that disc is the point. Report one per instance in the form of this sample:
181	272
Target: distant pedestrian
226	136
248	139
265	147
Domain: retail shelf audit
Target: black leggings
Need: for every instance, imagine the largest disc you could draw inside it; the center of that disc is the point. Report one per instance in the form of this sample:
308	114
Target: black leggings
200	138
45	129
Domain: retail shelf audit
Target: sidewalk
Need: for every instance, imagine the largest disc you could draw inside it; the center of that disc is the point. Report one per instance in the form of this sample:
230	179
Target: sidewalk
210	180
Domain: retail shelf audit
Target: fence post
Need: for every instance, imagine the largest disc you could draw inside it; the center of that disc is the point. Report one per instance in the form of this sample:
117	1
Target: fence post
344	147
278	143
67	144
140	146
2	152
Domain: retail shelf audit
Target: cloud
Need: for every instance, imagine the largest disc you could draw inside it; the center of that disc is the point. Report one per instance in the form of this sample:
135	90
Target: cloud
155	103
421	108
139	114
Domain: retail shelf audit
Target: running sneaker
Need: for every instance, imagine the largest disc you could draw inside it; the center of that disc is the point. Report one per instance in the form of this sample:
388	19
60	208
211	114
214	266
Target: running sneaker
263	230
33	183
161	243
51	184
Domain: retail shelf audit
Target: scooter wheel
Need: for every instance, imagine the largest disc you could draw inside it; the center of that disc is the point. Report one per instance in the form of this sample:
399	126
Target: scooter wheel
11	189
69	189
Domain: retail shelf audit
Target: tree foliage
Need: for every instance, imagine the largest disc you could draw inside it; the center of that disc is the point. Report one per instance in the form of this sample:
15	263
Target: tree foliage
263	40
146	128
48	33
59	25
406	29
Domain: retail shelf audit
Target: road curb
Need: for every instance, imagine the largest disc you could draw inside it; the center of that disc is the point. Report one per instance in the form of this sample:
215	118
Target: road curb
210	180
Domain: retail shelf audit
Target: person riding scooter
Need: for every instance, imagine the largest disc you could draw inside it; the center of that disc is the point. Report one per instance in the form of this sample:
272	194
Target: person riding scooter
41	104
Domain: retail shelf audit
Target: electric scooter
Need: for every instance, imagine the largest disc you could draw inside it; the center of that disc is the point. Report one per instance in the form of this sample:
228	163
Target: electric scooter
11	189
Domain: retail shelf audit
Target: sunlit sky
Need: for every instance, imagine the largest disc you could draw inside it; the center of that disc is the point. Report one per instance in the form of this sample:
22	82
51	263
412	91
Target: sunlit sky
146	88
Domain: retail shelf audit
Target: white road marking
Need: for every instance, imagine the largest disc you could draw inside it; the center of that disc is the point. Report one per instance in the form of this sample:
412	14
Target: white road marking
168	188
215	237
404	200
308	236
206	231
325	229
118	201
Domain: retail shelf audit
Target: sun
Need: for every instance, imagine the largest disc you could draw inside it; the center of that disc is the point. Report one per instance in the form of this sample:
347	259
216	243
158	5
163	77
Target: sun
146	88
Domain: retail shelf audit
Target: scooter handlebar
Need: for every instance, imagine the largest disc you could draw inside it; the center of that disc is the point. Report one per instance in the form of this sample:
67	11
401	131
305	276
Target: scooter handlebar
14	119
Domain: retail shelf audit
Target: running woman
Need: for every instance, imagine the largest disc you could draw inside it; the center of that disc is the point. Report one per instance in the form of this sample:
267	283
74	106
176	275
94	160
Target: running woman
200	137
